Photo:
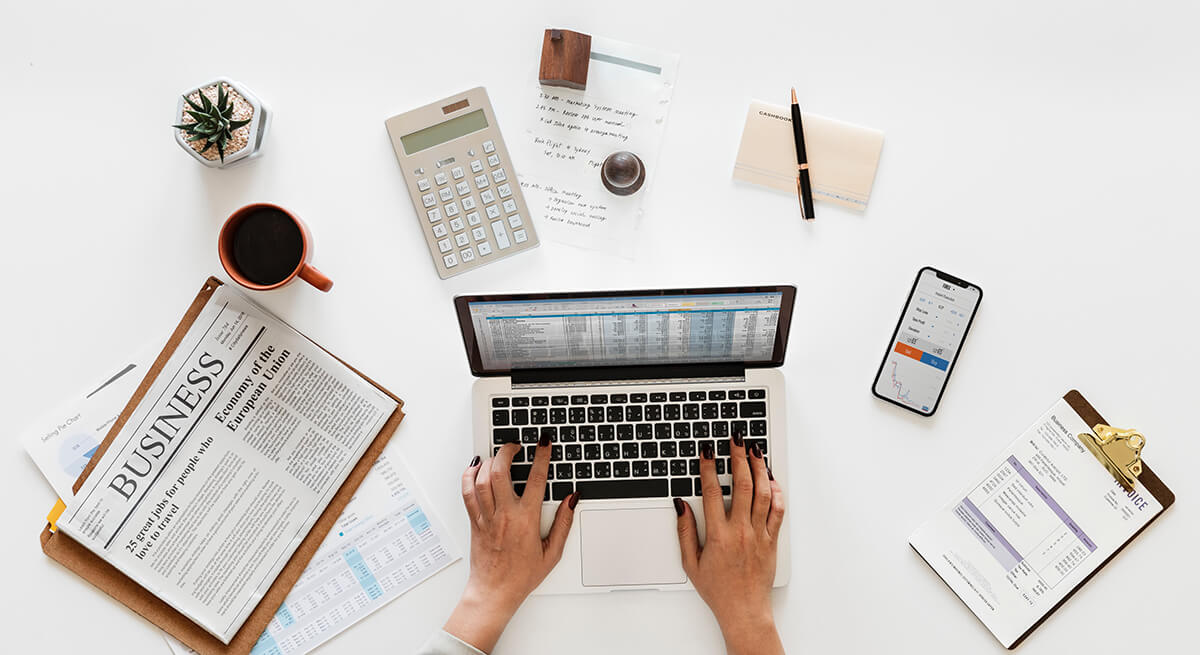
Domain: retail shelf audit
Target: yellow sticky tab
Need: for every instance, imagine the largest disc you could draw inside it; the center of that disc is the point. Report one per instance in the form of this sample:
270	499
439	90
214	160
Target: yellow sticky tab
52	517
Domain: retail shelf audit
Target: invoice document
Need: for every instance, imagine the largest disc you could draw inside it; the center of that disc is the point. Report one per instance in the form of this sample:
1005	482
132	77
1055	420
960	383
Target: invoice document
1042	517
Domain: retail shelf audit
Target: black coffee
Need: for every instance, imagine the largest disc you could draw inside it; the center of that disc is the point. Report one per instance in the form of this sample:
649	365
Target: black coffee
267	246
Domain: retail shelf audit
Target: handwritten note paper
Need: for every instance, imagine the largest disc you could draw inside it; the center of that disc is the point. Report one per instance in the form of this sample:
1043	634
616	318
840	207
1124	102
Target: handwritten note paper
569	133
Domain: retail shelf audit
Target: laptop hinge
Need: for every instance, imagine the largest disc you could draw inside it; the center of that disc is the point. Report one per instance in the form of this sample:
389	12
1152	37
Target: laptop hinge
610	375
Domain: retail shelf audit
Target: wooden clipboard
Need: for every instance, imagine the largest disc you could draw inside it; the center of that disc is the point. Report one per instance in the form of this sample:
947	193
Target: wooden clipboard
1147	479
95	570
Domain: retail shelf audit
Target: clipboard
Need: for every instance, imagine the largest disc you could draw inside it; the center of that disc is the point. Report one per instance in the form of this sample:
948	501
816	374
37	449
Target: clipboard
1148	479
108	579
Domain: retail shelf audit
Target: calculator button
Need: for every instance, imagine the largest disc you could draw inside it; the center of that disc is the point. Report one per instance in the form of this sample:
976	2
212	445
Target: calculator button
451	209
468	203
467	255
498	175
451	260
439	230
461	240
444	245
487	196
440	178
456	225
435	215
493	160
428	200
445	194
504	190
484	249
501	235
519	235
492	212
488	146
457	172
510	206
514	221
476	166
481	181
462	188
479	233
423	184
473	218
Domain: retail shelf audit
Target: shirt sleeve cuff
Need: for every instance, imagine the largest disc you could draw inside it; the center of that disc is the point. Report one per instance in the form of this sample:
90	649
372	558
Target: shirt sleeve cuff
444	643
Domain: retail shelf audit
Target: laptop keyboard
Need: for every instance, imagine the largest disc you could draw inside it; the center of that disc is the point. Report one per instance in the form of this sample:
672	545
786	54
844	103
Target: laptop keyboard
628	445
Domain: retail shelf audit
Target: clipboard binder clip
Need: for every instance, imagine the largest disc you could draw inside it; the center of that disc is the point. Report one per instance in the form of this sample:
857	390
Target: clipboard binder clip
1120	451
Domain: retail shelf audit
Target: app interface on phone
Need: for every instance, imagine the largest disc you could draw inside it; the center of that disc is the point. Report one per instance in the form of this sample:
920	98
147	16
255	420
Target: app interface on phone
930	334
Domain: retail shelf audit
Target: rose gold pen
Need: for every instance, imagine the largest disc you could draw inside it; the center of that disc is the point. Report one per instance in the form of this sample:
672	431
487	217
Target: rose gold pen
803	184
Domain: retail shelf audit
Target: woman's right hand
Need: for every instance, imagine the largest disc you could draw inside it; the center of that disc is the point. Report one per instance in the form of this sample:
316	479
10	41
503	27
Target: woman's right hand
733	572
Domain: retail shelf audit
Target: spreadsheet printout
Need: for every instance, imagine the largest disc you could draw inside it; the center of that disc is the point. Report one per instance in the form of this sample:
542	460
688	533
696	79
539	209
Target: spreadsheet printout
386	542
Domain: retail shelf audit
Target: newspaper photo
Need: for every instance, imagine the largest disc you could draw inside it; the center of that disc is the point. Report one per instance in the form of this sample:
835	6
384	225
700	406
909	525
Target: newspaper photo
228	460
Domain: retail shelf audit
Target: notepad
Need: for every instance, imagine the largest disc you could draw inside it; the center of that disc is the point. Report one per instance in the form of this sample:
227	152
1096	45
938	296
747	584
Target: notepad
1037	524
842	157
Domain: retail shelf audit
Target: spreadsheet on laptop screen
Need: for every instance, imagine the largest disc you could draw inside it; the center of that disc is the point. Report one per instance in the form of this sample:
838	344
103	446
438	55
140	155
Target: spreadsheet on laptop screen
622	331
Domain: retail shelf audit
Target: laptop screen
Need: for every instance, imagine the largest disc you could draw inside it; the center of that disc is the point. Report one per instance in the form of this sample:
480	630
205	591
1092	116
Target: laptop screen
506	333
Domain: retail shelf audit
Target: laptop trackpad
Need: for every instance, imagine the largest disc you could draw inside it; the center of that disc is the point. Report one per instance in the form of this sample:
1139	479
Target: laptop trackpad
630	547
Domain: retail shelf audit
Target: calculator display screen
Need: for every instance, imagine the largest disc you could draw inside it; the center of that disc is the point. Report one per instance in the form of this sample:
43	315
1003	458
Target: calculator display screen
436	135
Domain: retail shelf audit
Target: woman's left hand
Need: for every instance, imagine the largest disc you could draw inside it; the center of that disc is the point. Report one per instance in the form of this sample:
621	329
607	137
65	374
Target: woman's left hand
509	557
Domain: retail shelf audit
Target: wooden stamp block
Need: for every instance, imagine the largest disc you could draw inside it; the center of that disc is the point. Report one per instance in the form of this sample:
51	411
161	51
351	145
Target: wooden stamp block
565	56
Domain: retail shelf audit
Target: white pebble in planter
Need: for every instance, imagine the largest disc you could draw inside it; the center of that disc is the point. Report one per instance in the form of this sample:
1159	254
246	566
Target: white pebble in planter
221	123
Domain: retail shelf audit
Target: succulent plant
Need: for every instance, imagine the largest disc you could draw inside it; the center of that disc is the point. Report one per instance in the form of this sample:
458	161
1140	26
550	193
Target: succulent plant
214	122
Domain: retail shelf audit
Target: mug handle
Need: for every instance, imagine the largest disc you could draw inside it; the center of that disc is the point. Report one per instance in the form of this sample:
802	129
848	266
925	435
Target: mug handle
316	278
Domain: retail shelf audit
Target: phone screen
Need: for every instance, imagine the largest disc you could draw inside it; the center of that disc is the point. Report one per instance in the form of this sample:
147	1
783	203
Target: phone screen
927	340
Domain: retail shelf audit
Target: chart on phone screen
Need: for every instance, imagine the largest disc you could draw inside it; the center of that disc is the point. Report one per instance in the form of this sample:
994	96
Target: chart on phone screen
927	342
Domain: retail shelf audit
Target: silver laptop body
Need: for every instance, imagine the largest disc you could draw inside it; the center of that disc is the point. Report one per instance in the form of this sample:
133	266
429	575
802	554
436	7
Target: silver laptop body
629	385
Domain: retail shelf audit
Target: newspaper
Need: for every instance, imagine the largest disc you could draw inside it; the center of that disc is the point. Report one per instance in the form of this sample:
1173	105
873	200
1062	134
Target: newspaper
387	541
222	469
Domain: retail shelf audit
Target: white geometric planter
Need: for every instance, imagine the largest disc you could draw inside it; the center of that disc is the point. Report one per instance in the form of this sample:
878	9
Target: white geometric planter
256	131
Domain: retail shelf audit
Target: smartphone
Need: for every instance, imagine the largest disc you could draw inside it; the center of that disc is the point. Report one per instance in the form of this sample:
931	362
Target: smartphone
927	340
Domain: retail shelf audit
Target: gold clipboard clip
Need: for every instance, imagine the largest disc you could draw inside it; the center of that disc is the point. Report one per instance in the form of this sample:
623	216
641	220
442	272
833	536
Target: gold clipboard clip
1120	451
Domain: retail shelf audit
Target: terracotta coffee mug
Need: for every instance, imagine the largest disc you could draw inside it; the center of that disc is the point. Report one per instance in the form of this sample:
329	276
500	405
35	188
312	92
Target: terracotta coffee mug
264	246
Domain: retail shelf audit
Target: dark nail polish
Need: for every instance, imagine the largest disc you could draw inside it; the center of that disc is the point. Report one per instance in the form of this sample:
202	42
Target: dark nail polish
544	440
707	451
755	451
738	441
573	501
474	462
770	475
678	507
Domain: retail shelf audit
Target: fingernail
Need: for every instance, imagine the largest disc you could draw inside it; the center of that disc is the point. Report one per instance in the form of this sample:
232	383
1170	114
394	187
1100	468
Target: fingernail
755	451
573	501
474	462
770	475
706	452
737	441
544	440
678	507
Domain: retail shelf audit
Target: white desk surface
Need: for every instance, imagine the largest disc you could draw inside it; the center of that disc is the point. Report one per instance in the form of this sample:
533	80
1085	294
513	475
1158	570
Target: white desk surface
1044	151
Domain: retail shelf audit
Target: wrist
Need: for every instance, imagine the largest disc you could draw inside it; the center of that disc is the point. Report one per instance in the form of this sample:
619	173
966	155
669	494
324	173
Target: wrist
751	631
481	616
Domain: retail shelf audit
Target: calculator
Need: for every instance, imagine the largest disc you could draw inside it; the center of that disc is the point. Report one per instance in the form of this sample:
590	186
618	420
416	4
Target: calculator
462	182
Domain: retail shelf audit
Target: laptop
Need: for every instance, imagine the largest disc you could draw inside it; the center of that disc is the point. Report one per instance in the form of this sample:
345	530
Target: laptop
629	385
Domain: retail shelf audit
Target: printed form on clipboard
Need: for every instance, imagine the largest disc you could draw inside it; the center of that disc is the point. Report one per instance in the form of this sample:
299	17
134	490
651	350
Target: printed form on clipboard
568	134
1045	516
